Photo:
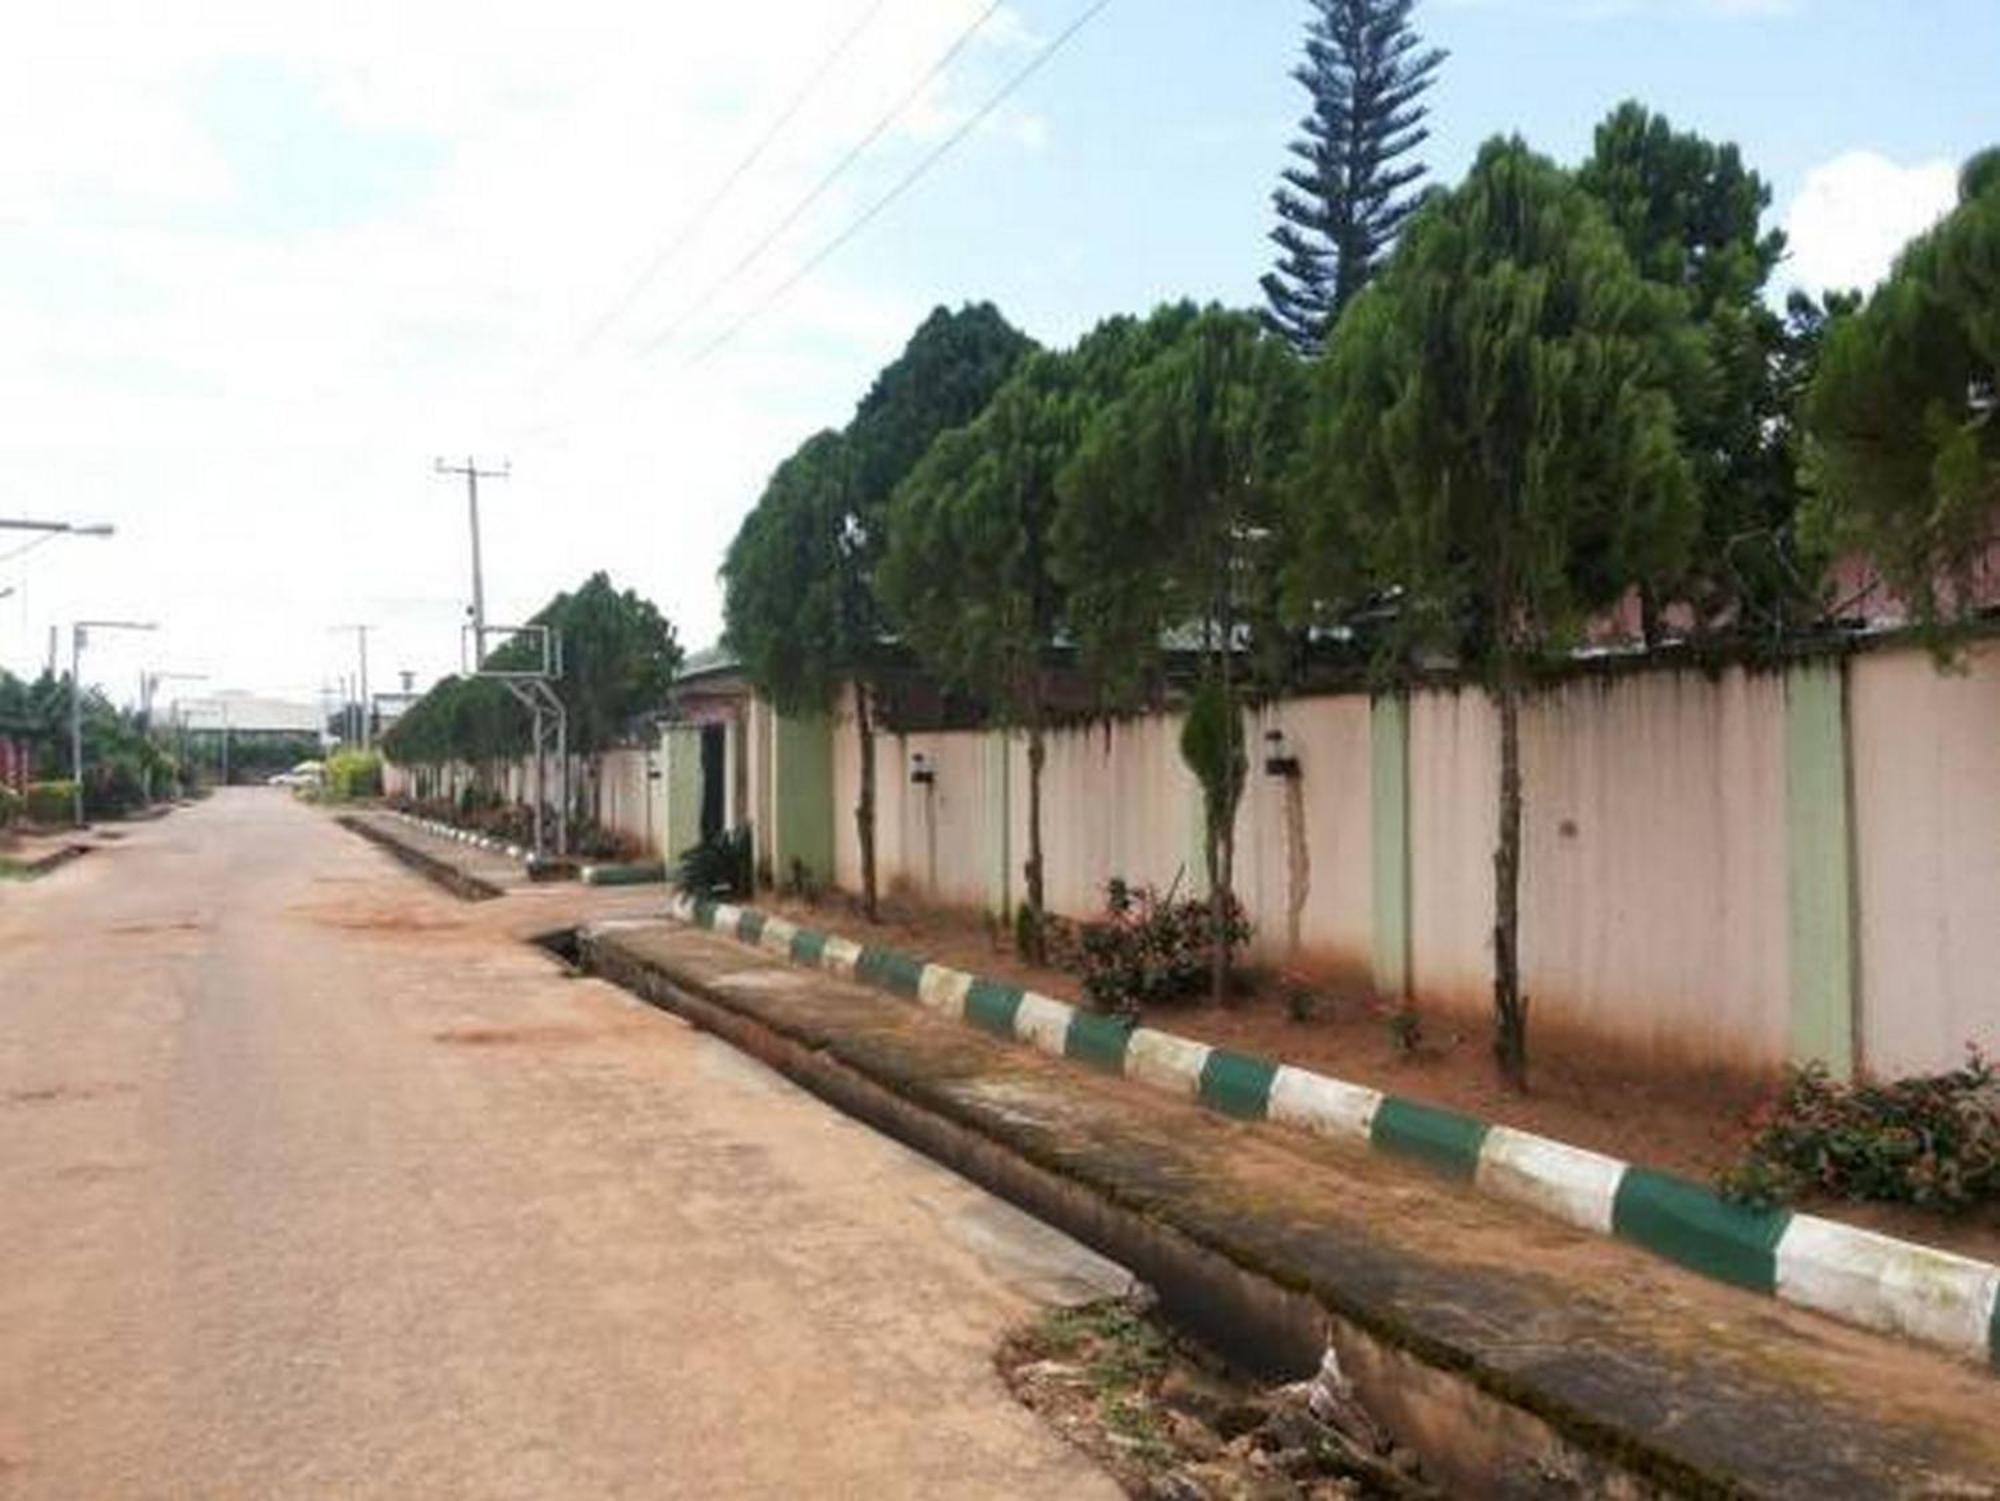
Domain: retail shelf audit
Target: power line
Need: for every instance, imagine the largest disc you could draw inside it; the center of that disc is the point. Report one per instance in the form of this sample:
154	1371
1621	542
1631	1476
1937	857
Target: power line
903	184
819	189
680	242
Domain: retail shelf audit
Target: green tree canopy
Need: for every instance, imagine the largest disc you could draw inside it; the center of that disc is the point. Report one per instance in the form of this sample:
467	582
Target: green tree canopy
800	604
1903	443
1353	178
620	655
1689	212
1172	524
968	576
1494	430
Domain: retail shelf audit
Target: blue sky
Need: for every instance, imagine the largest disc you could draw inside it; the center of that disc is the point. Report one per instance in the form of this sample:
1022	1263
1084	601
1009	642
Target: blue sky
259	265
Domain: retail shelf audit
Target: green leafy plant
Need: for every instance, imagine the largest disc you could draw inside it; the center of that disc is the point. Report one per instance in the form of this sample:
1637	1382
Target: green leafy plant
721	865
1932	1140
50	802
353	773
1151	949
10	807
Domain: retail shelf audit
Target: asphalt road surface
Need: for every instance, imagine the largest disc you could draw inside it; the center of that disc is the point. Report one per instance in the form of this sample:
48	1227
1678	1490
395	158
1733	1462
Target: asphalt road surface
315	1182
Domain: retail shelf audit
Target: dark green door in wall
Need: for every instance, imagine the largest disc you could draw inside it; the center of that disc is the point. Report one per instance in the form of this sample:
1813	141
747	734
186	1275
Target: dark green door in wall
713	753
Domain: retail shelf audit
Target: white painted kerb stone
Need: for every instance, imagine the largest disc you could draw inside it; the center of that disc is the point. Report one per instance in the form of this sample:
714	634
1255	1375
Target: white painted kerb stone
1568	1182
777	937
1165	1061
1043	1023
1326	1107
840	956
943	989
1888	1284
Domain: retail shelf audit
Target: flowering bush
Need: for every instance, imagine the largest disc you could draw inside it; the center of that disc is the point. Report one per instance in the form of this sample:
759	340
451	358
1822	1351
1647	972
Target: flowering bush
1148	949
1931	1140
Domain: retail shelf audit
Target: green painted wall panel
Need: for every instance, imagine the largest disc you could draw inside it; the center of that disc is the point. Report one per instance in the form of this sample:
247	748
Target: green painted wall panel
1819	866
802	796
1692	1225
680	757
1389	842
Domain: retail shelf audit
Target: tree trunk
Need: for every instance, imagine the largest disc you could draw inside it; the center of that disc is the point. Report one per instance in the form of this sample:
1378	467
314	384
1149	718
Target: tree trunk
1510	1007
864	807
1222	830
1649	616
1037	755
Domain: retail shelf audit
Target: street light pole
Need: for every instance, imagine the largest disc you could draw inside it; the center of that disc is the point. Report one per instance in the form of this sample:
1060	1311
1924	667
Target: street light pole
78	634
89	529
473	475
362	736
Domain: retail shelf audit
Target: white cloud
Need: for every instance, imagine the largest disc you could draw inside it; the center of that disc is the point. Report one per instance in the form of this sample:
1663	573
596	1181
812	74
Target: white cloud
253	391
1857	211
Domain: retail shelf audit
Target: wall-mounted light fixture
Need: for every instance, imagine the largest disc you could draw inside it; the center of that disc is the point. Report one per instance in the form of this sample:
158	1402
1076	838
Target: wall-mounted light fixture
1279	760
921	771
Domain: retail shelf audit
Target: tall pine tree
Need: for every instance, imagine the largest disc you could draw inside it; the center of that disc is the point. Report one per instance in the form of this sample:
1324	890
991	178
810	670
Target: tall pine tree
1348	192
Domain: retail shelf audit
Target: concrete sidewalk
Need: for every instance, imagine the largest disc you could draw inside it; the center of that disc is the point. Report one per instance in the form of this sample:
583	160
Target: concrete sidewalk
1638	1368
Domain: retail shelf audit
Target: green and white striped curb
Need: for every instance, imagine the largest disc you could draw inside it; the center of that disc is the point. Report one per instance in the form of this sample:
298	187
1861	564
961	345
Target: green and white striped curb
466	836
1936	1297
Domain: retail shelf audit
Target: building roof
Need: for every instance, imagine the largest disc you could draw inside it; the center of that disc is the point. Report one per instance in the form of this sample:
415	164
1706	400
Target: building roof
247	712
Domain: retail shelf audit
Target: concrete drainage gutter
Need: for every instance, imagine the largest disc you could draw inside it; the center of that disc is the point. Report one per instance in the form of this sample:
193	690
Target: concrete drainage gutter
458	882
1935	1297
1477	1440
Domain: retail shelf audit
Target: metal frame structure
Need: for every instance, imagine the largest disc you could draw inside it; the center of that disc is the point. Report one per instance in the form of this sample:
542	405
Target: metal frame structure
531	688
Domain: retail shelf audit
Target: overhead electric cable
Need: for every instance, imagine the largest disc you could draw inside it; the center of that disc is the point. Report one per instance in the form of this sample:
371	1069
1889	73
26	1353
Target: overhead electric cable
750	158
819	189
903	184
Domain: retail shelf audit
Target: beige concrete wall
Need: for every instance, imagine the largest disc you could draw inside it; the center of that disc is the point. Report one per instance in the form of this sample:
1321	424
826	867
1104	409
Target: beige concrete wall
1328	847
933	839
1653	885
1654	907
1655	913
1116	801
1925	753
846	789
1454	784
626	797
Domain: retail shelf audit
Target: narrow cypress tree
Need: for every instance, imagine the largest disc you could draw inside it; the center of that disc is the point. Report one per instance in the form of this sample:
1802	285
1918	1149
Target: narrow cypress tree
1345	198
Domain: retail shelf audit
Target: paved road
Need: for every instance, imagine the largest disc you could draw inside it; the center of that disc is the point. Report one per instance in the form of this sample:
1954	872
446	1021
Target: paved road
318	1183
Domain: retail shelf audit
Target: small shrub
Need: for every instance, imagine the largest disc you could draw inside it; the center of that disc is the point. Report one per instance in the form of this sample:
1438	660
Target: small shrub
50	802
1301	1005
1932	1140
1150	950
10	807
1406	1030
353	773
721	865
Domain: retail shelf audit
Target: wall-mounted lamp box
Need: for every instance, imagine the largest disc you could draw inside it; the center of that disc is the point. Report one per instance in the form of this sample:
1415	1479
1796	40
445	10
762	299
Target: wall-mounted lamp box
1278	758
921	771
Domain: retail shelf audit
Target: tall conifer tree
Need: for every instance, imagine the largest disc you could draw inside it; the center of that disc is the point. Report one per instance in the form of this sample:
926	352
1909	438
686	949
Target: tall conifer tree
1349	188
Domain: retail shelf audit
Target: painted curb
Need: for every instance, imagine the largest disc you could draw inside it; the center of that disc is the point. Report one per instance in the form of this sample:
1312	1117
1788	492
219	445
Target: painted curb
1934	1297
500	846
